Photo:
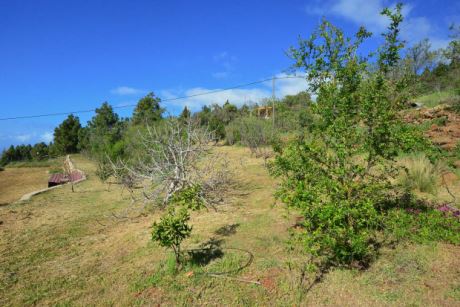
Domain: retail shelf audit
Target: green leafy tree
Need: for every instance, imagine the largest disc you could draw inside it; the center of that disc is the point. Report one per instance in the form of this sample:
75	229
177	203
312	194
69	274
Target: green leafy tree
40	151
104	131
245	110
339	172
103	138
229	112
185	115
148	110
9	155
66	135
215	122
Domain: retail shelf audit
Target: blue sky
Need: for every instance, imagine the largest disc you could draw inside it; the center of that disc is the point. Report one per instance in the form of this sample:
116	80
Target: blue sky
58	56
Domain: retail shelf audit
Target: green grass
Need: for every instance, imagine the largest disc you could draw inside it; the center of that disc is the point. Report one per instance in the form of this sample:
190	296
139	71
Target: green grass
45	163
436	98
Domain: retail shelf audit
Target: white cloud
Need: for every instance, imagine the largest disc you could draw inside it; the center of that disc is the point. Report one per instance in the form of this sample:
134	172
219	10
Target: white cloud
367	13
235	96
239	96
290	86
126	90
47	137
362	12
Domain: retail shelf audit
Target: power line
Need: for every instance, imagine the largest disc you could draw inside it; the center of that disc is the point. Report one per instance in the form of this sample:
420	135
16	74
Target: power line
163	100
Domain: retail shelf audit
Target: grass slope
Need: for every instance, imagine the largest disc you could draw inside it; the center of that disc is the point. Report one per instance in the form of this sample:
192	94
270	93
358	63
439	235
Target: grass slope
67	248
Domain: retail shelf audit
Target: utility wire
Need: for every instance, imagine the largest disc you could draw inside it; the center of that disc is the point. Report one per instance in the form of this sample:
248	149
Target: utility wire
163	100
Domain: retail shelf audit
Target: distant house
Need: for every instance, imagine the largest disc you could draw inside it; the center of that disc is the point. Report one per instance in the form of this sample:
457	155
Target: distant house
264	112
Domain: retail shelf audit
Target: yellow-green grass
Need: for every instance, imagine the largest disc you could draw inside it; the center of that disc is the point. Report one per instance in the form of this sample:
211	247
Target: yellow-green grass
436	98
67	248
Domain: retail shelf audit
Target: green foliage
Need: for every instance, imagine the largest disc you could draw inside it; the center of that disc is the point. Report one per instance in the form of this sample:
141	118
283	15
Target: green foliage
172	229
148	110
291	112
217	117
102	138
233	133
185	115
39	151
104	170
412	139
15	154
189	197
446	74
338	173
22	153
66	136
255	133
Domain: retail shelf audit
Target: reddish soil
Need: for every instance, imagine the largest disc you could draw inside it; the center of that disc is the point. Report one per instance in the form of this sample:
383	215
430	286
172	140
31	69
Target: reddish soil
445	135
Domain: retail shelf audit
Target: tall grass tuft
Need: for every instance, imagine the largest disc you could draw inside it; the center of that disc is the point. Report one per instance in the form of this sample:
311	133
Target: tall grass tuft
420	173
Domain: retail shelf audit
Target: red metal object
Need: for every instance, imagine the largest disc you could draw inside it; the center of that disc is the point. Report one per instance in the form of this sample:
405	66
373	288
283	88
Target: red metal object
57	179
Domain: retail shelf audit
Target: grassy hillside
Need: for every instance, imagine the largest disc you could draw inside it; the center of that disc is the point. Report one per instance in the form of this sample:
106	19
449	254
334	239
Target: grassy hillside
69	249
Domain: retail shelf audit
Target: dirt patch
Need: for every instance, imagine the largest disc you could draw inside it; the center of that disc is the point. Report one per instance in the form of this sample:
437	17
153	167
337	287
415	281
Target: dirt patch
270	279
445	130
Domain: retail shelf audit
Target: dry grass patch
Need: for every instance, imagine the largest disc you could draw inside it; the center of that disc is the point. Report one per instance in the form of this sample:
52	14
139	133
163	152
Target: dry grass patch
67	248
15	182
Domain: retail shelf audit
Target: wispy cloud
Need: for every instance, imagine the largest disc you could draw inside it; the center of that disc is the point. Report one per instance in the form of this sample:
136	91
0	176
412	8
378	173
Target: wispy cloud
126	90
367	13
226	64
23	137
221	74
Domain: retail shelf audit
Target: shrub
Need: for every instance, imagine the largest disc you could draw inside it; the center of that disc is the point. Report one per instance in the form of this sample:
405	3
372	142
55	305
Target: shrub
232	133
189	197
412	139
104	170
419	173
255	133
171	230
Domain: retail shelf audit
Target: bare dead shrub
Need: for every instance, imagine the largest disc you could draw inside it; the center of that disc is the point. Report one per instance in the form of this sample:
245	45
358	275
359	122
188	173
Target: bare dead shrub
172	156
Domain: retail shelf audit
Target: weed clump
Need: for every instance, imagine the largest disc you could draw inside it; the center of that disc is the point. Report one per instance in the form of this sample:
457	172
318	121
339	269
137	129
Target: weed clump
420	173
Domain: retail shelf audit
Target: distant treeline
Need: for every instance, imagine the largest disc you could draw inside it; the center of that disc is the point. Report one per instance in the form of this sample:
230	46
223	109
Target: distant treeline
107	135
38	152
